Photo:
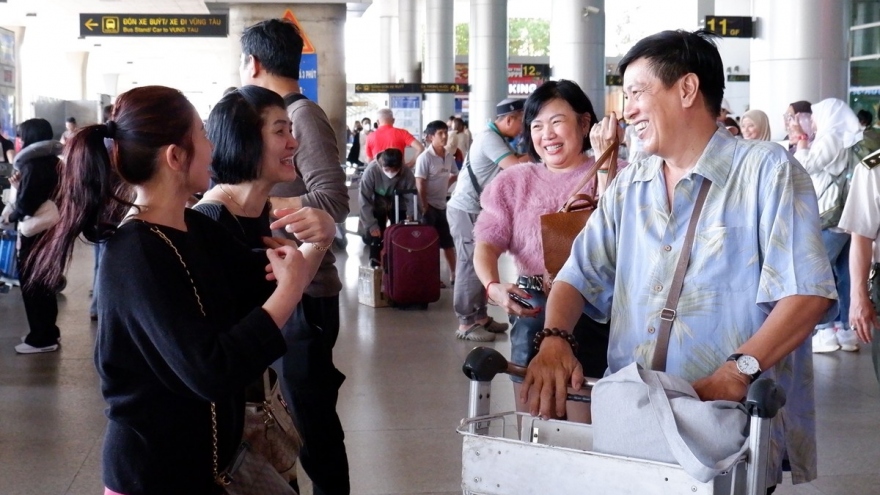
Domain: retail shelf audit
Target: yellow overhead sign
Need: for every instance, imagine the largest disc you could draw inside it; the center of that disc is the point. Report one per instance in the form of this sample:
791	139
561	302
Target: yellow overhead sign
154	25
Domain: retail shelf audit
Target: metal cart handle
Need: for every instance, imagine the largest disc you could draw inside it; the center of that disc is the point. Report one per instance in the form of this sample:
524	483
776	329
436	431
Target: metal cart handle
483	363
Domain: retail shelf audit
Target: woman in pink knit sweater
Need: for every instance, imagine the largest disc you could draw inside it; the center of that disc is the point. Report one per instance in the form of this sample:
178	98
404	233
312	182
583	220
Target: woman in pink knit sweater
557	121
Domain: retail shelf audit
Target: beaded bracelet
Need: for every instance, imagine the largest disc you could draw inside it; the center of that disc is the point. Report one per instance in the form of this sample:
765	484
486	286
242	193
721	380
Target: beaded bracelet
555	332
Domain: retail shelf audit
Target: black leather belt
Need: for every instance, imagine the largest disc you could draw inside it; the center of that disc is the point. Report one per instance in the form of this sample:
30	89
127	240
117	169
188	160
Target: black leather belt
534	282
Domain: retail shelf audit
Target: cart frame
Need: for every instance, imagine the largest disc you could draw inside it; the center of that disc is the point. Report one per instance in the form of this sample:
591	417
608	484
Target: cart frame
552	456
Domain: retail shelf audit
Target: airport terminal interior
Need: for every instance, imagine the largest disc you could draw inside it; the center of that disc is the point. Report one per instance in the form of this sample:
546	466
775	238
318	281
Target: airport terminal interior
405	394
400	405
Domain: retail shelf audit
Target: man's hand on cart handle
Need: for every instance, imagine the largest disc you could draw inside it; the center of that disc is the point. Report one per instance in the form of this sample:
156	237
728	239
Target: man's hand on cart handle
726	383
549	375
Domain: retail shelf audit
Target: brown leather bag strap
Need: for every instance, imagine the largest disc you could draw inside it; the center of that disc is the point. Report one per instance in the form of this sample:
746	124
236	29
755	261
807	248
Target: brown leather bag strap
607	155
669	312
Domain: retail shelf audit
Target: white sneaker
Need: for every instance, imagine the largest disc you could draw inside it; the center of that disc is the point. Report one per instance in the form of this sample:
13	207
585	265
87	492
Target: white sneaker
23	337
825	340
29	349
848	340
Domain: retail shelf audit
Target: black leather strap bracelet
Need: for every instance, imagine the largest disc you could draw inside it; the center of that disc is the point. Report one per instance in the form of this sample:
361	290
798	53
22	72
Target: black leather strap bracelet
555	332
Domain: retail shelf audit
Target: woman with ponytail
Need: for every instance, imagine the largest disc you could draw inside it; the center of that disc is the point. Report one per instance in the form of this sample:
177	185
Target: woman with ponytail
188	316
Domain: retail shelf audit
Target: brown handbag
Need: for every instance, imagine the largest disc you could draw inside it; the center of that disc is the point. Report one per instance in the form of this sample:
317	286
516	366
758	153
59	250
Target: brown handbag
269	428
558	230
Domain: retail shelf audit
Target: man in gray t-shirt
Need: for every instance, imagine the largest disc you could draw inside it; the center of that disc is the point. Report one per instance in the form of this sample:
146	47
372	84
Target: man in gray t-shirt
435	172
489	154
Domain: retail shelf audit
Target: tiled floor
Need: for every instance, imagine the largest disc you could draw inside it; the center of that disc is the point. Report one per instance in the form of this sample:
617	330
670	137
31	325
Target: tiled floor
400	405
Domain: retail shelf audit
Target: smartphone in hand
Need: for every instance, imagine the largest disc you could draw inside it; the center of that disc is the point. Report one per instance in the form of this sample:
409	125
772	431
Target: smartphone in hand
519	300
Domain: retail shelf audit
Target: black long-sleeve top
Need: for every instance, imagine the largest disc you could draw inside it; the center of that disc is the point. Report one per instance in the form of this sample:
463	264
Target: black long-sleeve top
162	362
38	164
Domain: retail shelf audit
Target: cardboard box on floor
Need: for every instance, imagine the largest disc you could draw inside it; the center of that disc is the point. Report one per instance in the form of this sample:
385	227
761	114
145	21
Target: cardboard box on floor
370	287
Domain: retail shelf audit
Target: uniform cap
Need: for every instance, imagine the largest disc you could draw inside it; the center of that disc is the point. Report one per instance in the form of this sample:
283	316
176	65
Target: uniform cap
509	105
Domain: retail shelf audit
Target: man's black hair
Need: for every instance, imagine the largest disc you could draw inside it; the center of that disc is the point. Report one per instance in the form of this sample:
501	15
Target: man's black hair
673	54
434	126
551	90
277	44
390	158
34	130
235	127
865	118
70	120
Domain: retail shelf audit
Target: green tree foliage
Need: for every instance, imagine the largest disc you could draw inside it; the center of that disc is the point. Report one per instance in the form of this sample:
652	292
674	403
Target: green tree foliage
462	37
526	37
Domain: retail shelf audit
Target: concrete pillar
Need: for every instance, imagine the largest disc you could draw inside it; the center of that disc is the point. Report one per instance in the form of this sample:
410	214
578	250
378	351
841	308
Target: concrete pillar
74	72
408	47
324	25
439	59
386	26
799	53
111	84
487	67
19	96
735	52
577	46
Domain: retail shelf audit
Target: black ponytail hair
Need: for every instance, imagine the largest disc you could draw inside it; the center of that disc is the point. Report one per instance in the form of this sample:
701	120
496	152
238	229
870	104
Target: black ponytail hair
101	164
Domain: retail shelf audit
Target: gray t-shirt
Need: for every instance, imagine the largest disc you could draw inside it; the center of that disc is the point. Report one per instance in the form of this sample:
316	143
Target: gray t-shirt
436	170
320	182
487	151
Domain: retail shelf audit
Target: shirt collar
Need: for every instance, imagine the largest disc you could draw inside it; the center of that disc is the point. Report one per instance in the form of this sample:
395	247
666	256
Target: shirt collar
430	149
714	164
495	129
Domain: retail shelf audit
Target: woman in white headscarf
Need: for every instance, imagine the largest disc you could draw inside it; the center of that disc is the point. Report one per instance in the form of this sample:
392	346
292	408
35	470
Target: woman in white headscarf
827	161
755	125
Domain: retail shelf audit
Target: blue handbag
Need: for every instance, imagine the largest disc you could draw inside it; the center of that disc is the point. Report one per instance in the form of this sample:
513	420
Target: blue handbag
8	257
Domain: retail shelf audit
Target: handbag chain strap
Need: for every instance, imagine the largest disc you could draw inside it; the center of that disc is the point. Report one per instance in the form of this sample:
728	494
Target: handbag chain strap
609	155
667	315
221	480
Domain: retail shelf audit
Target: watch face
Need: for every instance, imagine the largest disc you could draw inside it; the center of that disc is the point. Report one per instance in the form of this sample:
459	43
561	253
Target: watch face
747	365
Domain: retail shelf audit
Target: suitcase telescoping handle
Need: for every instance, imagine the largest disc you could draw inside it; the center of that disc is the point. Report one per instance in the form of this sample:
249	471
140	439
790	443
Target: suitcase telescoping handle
403	192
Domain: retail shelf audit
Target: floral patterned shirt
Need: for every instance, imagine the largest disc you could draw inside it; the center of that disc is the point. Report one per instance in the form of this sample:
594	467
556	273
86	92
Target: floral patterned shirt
757	241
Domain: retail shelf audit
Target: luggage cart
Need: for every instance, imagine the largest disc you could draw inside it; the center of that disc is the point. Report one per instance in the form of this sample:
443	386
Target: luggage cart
551	456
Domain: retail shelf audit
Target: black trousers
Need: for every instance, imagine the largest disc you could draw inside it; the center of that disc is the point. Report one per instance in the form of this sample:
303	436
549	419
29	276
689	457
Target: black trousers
310	384
40	304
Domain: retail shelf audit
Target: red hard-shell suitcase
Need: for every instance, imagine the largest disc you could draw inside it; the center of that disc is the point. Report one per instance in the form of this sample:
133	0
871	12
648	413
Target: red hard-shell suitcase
411	263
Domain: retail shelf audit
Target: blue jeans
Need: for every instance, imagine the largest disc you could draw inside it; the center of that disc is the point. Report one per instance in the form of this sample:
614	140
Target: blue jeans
837	247
93	308
592	339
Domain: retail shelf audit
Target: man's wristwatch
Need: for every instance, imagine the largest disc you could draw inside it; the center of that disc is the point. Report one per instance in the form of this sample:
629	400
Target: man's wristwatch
747	365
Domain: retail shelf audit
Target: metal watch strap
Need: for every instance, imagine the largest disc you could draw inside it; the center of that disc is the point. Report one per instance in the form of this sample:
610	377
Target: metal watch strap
667	315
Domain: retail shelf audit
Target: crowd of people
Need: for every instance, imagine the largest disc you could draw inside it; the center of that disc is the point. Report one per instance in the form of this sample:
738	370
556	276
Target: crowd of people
193	303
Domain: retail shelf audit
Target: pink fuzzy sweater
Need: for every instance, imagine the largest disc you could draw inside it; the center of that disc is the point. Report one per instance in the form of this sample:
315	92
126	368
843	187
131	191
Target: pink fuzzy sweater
513	204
